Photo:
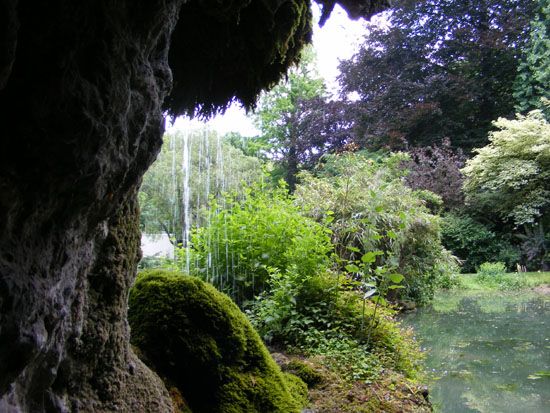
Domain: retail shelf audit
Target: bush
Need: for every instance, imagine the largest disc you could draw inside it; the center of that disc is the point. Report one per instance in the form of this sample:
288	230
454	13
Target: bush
491	269
437	169
250	238
474	243
369	208
198	339
493	274
322	316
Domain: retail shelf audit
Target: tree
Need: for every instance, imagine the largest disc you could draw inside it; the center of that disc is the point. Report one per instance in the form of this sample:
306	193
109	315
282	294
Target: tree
436	168
531	88
511	175
299	123
442	69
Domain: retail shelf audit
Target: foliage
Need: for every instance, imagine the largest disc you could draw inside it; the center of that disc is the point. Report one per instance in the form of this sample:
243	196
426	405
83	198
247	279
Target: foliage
511	175
531	86
344	355
325	315
298	122
199	340
252	238
369	209
474	243
436	69
251	146
436	168
506	281
494	273
491	269
214	167
534	246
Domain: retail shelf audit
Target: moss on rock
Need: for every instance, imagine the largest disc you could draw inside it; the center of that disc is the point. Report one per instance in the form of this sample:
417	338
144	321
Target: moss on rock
200	341
304	371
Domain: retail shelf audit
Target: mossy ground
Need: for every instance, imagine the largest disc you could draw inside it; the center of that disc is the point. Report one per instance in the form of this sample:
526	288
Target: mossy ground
333	392
203	345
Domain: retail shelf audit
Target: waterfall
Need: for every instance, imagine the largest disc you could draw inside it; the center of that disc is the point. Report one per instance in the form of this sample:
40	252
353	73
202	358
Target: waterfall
186	172
188	187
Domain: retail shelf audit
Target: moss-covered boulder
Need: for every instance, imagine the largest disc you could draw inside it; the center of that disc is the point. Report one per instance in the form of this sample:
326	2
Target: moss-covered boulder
200	341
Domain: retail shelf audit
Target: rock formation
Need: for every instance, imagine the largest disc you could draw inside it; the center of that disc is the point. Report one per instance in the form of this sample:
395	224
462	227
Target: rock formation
83	89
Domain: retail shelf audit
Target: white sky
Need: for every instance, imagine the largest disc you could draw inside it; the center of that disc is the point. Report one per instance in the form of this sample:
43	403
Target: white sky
336	40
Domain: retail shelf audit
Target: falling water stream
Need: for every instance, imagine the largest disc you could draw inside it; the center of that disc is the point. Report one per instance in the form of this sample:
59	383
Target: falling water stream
206	173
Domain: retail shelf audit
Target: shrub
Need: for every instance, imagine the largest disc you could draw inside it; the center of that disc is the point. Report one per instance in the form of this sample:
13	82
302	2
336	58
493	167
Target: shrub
437	169
493	274
475	243
369	208
491	269
321	315
250	238
199	340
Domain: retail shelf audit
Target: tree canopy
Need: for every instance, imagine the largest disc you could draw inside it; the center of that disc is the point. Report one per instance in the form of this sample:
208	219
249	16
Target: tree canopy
511	175
299	123
439	69
532	89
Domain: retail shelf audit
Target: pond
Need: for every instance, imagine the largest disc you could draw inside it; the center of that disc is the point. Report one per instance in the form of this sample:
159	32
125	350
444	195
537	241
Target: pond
486	352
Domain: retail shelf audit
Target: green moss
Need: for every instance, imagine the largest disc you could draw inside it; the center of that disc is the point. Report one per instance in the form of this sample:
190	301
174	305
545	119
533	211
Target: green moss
200	341
297	387
304	371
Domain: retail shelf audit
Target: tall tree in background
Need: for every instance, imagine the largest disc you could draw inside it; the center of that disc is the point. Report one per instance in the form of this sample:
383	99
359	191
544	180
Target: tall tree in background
440	69
299	123
532	86
510	177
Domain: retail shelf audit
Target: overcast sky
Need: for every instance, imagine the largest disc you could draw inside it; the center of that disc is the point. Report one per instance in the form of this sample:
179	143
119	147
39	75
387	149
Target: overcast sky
336	40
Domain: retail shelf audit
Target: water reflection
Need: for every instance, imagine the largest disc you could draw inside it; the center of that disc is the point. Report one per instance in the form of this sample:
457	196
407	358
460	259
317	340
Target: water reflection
487	353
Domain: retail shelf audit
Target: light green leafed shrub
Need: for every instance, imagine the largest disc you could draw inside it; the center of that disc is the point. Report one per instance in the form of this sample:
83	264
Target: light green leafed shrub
260	234
491	269
369	208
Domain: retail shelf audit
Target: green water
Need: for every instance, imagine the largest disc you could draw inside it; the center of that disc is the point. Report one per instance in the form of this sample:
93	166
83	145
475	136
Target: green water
486	353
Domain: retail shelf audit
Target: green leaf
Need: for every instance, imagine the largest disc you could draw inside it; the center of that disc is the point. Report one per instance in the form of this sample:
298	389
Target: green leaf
380	300
396	278
370	256
352	268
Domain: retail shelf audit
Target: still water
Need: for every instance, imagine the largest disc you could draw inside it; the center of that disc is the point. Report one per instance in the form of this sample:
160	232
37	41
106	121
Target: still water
486	353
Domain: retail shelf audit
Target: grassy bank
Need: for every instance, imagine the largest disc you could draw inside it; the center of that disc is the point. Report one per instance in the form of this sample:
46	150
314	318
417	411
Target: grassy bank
508	281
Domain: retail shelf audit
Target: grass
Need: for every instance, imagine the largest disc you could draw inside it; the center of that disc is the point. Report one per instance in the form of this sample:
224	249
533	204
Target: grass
508	281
